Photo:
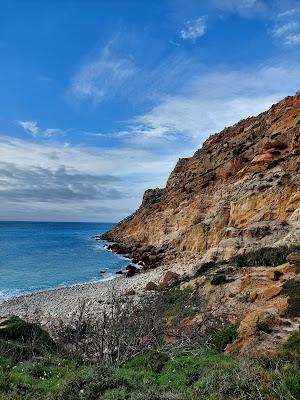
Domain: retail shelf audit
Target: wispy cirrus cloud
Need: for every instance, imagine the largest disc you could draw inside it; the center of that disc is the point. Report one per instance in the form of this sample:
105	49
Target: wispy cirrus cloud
287	28
212	101
33	128
240	6
102	76
194	29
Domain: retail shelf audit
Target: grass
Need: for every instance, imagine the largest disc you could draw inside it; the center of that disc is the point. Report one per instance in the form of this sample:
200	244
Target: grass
178	303
204	373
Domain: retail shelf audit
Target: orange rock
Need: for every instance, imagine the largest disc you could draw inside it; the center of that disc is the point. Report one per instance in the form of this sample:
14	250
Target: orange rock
271	292
248	326
151	286
253	295
282	306
246	281
168	279
274	275
263	157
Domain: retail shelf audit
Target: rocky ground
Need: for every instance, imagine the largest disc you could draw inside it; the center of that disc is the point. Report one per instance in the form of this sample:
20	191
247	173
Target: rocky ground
262	301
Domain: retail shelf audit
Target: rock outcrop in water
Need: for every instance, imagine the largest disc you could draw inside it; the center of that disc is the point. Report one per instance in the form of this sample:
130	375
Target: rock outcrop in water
237	193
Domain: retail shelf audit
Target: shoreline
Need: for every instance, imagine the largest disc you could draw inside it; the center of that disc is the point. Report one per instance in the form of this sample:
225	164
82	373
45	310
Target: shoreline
60	304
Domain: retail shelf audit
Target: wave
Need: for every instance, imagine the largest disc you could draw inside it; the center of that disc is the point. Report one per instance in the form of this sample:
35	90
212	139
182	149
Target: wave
7	294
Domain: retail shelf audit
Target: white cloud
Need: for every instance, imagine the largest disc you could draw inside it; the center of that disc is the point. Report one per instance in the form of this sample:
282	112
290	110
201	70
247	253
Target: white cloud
33	128
75	183
289	13
213	101
29	126
103	76
286	28
241	6
292	40
195	29
282	30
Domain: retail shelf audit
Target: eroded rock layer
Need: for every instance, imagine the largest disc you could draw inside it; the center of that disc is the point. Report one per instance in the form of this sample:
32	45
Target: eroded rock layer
240	191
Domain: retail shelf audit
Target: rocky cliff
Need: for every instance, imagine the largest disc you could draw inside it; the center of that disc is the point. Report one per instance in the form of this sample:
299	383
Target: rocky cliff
239	192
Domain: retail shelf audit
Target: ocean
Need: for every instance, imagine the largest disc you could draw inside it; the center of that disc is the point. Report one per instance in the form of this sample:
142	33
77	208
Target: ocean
43	255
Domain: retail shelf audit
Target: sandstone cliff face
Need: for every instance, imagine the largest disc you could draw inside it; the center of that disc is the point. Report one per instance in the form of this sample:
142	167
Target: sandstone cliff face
238	192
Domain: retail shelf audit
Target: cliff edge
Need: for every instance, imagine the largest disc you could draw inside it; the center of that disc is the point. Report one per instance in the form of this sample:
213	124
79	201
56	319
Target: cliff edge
238	193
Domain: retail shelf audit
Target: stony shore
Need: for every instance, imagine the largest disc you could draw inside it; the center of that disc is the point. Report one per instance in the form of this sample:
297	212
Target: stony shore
61	304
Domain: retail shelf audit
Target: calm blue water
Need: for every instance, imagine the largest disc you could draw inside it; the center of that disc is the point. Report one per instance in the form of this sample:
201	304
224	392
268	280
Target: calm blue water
42	255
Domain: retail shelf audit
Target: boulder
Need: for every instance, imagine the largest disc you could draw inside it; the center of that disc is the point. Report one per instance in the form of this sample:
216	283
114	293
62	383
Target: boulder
248	326
253	295
151	286
294	257
169	277
274	275
271	292
263	158
130	292
131	270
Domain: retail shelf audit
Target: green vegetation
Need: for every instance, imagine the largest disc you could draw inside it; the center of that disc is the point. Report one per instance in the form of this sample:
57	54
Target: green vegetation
21	340
218	279
178	303
239	150
166	374
291	288
220	339
263	327
205	268
266	256
291	348
264	187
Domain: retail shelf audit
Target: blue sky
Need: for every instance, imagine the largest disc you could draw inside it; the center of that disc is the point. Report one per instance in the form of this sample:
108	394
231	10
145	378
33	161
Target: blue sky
99	98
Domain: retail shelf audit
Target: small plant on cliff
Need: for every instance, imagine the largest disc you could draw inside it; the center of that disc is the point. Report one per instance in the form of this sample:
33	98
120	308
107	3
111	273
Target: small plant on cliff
263	327
291	288
266	256
205	267
218	279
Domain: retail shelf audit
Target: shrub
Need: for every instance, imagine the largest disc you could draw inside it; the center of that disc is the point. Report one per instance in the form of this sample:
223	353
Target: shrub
291	288
152	360
264	187
291	348
219	340
177	303
273	163
241	261
205	267
266	256
263	327
218	279
239	150
15	329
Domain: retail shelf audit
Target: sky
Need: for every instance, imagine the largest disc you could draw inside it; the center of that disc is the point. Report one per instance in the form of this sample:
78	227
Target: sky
99	99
